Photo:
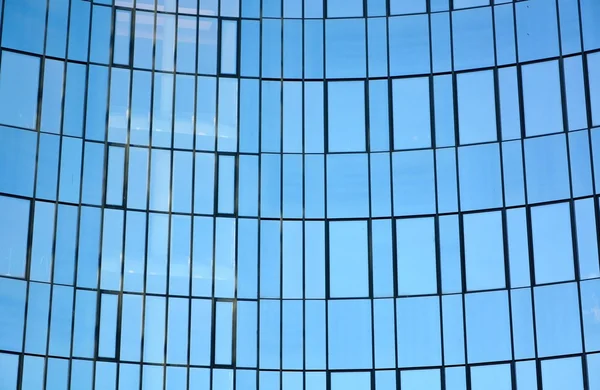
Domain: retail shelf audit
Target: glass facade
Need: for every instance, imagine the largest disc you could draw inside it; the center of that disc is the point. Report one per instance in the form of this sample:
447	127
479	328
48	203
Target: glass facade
299	194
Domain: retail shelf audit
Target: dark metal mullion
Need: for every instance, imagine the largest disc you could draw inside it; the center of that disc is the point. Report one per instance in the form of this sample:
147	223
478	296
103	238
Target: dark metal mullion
451	8
588	109
148	193
281	178
170	215
565	124
461	238
326	221
436	221
369	221
589	120
56	204
235	213
228	367
81	178
236	204
227	75
125	186
106	148
32	202
402	217
2	12
518	67
291	299
258	186
505	244
575	244
303	157
192	207
215	219
390	154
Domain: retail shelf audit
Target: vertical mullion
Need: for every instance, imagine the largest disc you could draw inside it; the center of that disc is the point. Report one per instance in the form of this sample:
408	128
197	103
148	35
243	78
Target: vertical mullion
527	206
389	89
236	198
588	109
281	178
575	244
104	181
370	217
32	201
505	244
170	209
215	217
235	205
326	221
193	196
458	199
83	138
125	183
438	261
303	164
590	124
259	190
148	193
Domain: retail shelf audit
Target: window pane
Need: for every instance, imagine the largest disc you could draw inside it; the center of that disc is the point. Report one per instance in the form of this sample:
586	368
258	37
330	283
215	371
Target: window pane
542	98
14	231
348	259
552	243
421	379
557	320
546	167
479	177
473	38
476	107
414	184
418	331
345	43
537	30
409	45
484	251
346	127
19	78
497	377
488	327
347	186
351	380
354	316
416	249
412	127
12	305
560	373
344	8
24	25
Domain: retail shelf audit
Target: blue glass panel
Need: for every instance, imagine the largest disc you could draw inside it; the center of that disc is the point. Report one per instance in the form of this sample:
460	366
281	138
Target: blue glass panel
19	78
346	48
349	320
24	24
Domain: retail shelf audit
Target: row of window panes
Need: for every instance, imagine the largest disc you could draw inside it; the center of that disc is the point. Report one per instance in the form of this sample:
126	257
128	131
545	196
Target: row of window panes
345	185
163	109
268	329
137	252
555	374
295	8
467	39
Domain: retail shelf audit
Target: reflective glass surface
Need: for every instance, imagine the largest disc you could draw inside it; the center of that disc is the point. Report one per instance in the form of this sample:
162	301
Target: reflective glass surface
299	194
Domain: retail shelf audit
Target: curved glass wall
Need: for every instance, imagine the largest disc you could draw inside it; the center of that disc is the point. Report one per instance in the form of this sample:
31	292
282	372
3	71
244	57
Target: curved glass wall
296	195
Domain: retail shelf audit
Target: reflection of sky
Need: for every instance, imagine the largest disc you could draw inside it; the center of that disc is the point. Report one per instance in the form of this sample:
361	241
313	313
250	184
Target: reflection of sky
250	122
